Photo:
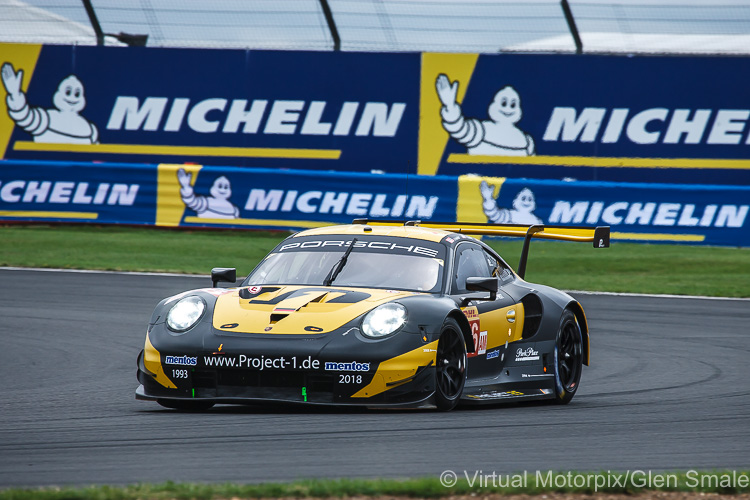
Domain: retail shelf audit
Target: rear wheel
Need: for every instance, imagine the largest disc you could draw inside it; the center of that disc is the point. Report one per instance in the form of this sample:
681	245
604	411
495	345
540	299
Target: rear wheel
451	366
185	405
568	357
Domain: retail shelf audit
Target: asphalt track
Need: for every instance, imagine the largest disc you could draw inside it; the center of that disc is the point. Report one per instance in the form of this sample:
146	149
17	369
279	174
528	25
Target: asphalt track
668	389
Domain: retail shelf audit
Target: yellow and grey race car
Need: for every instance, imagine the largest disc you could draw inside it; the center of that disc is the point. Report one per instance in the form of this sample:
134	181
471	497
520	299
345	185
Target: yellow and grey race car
376	313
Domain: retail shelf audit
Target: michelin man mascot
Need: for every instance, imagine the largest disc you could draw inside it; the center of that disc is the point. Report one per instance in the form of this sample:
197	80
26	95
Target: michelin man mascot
498	136
522	212
216	206
61	124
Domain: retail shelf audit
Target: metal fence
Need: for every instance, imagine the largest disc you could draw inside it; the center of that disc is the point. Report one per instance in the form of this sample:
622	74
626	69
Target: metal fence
484	26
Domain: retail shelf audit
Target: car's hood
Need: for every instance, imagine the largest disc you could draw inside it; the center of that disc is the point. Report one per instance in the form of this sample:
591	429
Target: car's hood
284	310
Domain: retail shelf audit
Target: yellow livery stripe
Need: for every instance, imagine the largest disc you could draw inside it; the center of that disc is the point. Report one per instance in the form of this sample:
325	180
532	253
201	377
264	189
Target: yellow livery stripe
399	370
152	362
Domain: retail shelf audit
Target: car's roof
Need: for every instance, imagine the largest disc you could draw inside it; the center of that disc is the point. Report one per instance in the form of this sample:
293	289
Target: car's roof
416	232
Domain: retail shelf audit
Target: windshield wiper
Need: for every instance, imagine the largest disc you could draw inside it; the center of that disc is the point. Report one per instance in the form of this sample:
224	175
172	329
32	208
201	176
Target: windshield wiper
336	269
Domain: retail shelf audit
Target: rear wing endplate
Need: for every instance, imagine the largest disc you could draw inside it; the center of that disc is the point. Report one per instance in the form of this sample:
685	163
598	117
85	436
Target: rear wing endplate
598	235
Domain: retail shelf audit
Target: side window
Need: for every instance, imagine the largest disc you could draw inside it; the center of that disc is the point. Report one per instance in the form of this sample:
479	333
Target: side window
471	261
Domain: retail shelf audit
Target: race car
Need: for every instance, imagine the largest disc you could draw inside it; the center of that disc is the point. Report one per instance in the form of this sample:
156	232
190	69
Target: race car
375	314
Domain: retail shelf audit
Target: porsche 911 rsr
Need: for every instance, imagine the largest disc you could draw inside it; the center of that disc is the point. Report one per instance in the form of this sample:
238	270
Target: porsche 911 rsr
378	314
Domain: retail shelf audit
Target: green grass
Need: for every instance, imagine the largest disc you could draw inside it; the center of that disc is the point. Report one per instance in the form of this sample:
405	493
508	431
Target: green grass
625	267
116	248
535	483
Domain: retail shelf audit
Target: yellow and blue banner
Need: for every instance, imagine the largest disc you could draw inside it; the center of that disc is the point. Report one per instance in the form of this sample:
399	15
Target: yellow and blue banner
272	109
197	196
553	116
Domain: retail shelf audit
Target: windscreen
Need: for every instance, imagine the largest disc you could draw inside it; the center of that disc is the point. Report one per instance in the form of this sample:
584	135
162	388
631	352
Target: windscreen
374	262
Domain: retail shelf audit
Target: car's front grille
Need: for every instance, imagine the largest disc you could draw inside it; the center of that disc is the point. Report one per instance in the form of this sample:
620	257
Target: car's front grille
295	385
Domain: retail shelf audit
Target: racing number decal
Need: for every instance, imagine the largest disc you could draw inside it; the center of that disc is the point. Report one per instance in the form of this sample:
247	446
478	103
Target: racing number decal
480	337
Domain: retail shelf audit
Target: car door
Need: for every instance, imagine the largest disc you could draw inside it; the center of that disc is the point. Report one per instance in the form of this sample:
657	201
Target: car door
494	323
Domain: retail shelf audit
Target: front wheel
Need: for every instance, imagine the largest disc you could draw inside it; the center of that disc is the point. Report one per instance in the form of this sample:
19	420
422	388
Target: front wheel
451	366
568	358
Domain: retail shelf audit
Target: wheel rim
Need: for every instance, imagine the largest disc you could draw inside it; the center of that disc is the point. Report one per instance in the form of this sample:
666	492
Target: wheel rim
451	364
569	355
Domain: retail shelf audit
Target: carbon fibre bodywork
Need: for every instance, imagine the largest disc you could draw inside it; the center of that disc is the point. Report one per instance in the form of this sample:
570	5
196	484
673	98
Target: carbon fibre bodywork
301	343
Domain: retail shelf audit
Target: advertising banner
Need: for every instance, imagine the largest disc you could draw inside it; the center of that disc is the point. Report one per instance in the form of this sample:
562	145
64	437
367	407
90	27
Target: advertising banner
275	109
667	213
279	199
70	192
177	195
592	117
554	116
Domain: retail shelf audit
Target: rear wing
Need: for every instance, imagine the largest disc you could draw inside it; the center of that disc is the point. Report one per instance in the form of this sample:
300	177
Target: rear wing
599	235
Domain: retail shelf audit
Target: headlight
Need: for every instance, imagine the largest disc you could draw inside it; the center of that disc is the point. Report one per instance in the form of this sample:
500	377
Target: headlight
185	313
384	320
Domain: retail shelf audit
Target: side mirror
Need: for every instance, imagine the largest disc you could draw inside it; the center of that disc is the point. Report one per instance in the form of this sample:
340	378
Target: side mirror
483	285
223	274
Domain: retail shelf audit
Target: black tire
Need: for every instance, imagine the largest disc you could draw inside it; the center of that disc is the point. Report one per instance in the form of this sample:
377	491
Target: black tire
450	370
185	405
568	358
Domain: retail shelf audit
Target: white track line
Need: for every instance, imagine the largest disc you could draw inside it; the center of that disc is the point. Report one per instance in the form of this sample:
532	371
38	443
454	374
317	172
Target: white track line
579	292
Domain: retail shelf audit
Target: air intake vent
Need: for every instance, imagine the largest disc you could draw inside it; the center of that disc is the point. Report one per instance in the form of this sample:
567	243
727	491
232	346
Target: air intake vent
532	307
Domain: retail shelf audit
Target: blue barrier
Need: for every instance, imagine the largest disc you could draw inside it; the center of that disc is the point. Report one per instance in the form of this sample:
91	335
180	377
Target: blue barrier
172	195
588	117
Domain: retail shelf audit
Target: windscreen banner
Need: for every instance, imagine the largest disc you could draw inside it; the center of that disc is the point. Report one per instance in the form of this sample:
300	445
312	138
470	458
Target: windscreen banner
554	116
635	212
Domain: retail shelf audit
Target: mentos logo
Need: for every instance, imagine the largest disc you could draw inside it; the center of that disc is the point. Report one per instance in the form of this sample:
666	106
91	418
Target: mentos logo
347	367
181	360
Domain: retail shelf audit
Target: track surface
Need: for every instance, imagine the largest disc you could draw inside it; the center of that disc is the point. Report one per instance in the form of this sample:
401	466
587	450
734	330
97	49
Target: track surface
669	388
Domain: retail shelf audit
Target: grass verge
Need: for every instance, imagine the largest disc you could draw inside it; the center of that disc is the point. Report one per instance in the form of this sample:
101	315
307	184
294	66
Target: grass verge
536	483
625	267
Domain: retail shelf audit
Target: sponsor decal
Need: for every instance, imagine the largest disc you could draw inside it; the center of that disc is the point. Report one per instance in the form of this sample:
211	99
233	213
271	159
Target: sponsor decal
529	375
374	245
647	126
524	204
493	354
214	206
259	116
62	124
498	135
181	360
262	362
649	213
341	203
528	354
497	395
480	337
254	290
347	367
68	192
